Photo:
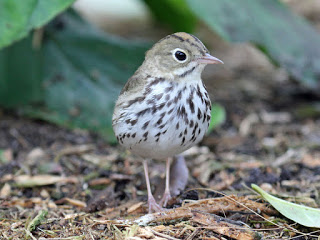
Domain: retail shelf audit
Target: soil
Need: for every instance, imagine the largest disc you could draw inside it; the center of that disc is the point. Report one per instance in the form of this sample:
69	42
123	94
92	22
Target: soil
270	139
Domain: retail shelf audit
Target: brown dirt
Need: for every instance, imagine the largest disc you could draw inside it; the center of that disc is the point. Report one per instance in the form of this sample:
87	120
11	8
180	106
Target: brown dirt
269	139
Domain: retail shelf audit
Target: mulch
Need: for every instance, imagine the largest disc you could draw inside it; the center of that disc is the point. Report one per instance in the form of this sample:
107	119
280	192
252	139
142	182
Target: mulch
57	183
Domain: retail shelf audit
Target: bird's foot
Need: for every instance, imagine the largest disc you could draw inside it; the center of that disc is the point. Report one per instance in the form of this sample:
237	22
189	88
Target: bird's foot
153	205
165	198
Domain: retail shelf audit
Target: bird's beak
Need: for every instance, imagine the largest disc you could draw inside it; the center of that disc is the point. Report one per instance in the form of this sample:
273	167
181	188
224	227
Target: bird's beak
208	59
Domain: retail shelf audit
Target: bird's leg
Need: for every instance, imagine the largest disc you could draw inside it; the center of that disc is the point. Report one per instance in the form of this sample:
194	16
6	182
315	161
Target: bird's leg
166	195
152	204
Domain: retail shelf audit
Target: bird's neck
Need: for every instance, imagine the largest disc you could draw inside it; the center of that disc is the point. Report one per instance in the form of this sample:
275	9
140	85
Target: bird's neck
188	74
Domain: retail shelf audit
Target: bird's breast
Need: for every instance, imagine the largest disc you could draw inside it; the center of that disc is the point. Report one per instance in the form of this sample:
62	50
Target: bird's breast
165	119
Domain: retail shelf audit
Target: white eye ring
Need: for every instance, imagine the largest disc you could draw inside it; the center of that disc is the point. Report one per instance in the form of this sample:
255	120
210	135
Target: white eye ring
176	56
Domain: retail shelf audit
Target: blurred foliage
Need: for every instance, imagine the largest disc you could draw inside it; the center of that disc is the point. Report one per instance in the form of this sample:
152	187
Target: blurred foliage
19	17
20	74
218	116
70	73
288	39
174	13
3	159
80	72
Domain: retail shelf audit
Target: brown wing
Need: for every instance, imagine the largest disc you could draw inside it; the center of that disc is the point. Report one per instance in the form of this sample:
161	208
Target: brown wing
131	89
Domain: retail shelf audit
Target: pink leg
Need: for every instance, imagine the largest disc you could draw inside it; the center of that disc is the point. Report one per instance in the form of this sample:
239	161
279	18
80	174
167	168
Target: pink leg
153	206
166	196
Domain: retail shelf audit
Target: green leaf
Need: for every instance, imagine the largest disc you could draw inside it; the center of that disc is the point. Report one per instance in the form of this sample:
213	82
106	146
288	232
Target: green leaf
79	72
286	37
37	220
306	216
85	71
19	17
218	116
3	159
20	74
14	19
175	13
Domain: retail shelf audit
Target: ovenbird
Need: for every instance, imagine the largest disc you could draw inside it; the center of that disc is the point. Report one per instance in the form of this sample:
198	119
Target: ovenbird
164	108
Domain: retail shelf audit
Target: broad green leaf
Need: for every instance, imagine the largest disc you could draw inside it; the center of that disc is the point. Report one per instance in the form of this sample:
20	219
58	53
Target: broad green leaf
19	17
14	19
20	74
174	13
287	38
218	116
84	73
306	216
79	72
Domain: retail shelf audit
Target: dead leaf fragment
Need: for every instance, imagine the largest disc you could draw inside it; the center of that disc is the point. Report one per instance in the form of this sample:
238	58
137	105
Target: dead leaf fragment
223	226
275	117
16	225
311	161
211	205
74	150
145	233
134	207
246	124
5	190
41	180
289	156
22	202
100	181
35	156
74	202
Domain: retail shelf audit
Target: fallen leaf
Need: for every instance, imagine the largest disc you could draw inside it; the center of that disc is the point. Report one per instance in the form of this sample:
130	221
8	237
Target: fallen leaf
25	203
223	226
134	207
311	161
35	156
74	150
41	180
247	123
275	117
289	156
303	215
5	191
145	233
74	202
100	181
210	205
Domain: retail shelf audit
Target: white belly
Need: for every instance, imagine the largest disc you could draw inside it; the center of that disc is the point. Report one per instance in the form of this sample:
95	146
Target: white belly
167	122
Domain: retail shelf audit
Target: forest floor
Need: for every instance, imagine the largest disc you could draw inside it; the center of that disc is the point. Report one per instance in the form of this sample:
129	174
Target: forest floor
79	187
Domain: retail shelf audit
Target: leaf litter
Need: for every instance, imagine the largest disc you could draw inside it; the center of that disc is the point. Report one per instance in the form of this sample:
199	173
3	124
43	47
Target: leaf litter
98	192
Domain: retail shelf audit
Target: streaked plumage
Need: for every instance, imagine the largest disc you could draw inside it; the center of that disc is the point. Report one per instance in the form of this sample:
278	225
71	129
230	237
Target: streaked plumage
164	108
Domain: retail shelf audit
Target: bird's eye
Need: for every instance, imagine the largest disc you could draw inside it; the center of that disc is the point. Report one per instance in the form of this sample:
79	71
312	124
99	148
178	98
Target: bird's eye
180	55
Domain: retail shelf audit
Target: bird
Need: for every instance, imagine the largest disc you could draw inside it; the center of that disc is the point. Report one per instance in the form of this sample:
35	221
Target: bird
164	108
